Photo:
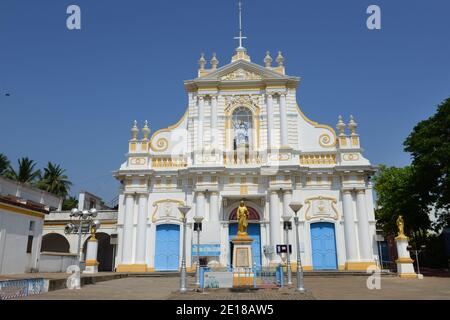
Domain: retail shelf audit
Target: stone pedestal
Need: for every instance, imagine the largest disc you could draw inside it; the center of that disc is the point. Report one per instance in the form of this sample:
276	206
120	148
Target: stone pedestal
405	267
91	257
241	154
243	275
242	252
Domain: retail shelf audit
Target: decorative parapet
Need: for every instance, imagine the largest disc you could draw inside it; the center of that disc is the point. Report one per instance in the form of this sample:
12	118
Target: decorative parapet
318	159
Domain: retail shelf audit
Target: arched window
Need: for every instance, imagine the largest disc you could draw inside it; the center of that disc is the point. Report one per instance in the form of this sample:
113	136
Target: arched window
242	121
54	242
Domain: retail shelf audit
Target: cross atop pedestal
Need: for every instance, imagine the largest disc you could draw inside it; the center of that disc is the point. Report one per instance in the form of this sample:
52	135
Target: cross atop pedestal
241	37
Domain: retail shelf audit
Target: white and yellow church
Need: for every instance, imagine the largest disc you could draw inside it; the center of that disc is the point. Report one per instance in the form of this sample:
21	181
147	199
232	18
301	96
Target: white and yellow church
244	137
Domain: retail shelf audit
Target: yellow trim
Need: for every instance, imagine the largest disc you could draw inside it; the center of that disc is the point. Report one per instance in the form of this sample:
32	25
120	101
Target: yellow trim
404	260
341	267
305	268
407	275
358	266
168	129
23	211
91	263
132	268
50	223
317	125
192	268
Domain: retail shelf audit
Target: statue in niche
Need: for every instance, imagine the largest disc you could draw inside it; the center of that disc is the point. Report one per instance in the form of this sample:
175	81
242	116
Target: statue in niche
241	129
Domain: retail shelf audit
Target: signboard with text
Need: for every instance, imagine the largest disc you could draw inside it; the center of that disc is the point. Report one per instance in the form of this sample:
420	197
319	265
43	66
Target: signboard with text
207	250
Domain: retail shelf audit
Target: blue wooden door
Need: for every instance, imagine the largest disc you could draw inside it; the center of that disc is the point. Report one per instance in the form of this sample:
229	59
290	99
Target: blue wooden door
254	231
323	242
167	247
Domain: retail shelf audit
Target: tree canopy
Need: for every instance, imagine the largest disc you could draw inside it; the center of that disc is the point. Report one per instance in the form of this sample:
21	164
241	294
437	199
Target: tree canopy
25	173
54	180
422	188
429	145
396	196
4	164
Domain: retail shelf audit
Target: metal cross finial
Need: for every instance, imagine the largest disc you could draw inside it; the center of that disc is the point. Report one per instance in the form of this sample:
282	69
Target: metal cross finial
240	38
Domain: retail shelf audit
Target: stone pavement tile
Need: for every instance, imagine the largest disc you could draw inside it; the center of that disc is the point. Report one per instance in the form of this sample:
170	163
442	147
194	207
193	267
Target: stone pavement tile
226	294
355	288
344	288
132	288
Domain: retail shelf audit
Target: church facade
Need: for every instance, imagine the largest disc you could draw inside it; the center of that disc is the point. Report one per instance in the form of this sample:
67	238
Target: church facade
244	137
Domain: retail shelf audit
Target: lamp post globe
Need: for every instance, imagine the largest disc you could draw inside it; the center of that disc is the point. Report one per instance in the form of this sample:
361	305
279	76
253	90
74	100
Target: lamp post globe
74	212
93	212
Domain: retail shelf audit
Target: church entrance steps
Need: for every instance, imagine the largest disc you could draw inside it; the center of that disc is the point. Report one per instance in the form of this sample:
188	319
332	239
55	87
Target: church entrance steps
343	274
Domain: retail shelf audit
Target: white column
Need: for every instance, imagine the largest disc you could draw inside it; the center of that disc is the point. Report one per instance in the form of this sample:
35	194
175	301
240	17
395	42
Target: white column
274	217
141	240
287	199
214	206
269	120
283	121
91	256
214	137
200	205
349	227
128	230
363	226
201	109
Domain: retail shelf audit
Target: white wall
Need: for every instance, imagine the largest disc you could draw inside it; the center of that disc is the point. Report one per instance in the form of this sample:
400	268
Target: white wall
56	262
14	232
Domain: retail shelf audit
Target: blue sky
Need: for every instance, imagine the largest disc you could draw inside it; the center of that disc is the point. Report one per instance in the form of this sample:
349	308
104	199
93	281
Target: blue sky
74	94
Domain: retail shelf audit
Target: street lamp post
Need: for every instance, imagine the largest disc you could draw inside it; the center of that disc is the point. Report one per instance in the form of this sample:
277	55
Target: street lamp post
287	225
198	227
296	206
417	252
183	287
81	216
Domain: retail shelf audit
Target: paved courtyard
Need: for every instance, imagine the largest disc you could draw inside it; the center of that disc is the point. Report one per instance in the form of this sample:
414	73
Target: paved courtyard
342	288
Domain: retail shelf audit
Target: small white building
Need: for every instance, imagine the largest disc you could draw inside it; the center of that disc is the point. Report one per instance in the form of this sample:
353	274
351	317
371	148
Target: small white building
22	212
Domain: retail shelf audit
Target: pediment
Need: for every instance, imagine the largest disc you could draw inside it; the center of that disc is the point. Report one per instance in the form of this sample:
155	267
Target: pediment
243	71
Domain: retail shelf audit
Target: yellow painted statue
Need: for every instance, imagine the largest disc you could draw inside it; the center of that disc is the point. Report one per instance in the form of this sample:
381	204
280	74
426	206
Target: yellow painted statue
242	217
401	226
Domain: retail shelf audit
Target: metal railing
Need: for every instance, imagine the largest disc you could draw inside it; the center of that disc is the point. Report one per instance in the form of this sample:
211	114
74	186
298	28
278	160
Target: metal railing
257	277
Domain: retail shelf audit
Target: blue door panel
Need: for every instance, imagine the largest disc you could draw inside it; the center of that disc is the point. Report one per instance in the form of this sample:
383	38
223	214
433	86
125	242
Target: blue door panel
254	231
167	247
323	242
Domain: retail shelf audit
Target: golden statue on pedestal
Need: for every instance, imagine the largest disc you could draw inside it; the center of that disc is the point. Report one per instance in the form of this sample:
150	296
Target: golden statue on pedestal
242	217
401	228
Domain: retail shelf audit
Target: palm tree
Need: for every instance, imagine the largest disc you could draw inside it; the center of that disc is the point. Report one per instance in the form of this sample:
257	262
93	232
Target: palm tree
4	164
54	180
25	173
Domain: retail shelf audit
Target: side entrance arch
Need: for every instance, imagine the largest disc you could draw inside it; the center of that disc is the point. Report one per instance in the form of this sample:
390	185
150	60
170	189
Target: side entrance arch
167	253
323	243
105	251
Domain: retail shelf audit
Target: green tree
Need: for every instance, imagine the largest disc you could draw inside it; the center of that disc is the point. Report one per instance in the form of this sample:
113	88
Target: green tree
396	196
429	145
4	164
54	180
69	203
25	173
